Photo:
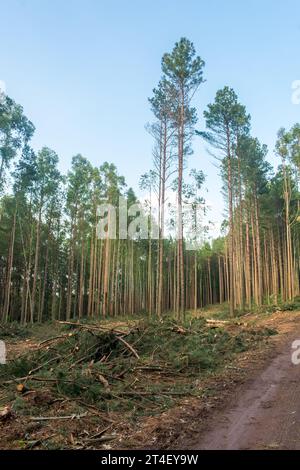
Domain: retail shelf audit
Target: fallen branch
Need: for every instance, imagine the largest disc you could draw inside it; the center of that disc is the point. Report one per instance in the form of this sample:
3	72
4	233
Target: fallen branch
93	327
128	346
100	439
55	338
98	434
158	393
52	418
37	379
217	322
93	409
53	359
32	444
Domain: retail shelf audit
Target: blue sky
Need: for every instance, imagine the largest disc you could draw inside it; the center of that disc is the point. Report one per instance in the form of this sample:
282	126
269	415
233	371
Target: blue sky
83	69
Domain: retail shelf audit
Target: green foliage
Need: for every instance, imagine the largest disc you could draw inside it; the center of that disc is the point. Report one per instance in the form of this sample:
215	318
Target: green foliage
182	67
14	329
15	132
17	368
292	305
172	356
224	118
20	406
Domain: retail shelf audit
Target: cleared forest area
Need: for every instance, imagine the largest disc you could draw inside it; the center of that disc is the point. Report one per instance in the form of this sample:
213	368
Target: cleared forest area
128	384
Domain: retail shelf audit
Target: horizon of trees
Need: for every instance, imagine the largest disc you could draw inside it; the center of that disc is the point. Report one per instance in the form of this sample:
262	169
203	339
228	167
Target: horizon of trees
54	266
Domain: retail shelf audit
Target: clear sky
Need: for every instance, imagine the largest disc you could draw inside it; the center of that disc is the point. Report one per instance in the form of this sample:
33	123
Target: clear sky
83	69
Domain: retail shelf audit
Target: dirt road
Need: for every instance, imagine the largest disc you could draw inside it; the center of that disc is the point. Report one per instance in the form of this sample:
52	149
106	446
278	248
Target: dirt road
265	413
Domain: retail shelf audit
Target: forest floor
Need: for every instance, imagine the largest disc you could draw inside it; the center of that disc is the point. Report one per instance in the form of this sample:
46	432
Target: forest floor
153	385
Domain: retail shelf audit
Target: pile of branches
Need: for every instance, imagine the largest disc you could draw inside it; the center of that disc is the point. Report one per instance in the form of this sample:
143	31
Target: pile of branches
142	369
85	350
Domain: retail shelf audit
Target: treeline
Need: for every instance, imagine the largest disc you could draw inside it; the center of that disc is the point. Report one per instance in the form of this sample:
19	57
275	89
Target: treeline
53	265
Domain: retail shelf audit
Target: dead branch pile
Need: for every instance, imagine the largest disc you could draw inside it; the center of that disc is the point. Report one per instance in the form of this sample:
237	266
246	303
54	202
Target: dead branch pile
103	370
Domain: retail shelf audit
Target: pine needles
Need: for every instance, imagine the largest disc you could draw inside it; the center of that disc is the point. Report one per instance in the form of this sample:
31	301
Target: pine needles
143	370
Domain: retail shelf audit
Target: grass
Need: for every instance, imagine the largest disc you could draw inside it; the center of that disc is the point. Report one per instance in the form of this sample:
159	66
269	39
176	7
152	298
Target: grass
221	312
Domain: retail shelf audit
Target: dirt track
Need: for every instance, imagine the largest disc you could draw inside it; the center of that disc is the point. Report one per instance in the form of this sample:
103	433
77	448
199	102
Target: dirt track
265	412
